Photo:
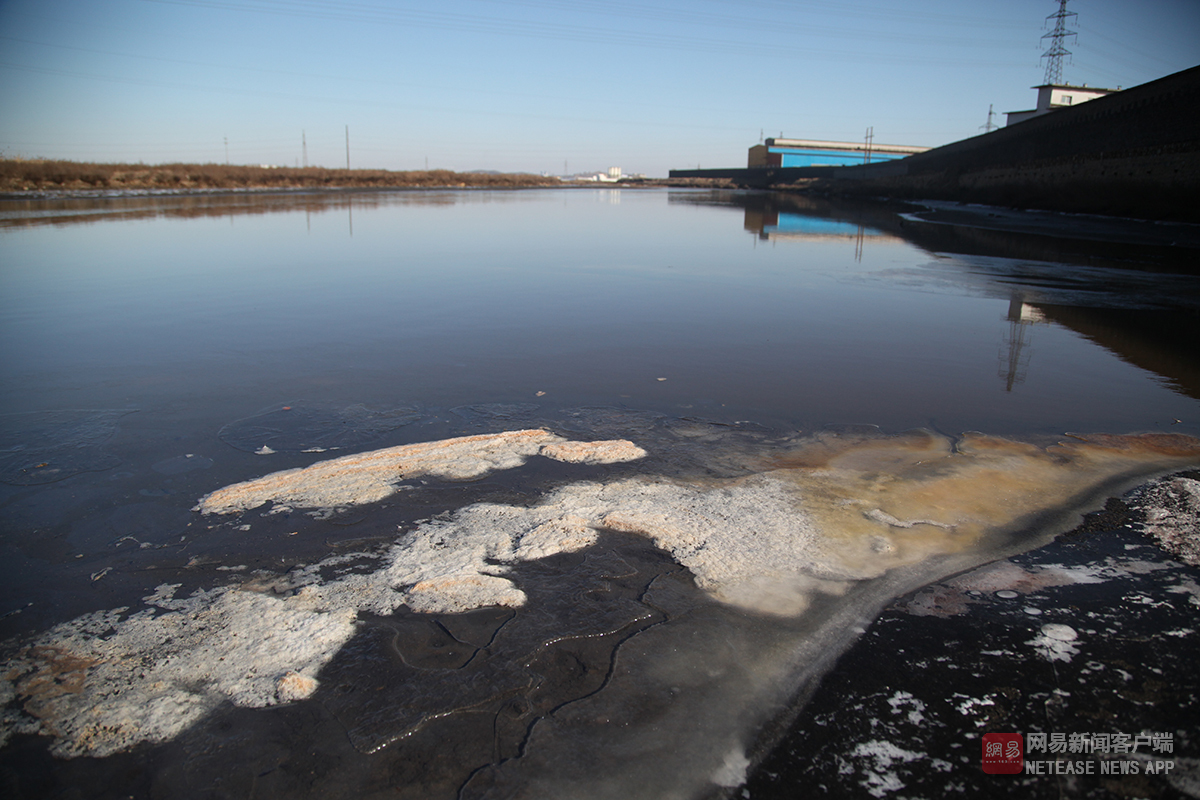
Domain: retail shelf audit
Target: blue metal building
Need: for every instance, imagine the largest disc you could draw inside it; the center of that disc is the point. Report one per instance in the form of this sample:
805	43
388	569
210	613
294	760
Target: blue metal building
813	153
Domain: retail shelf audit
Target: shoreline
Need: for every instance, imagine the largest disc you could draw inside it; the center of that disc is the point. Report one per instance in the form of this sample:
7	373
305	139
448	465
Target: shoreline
19	178
1084	635
102	194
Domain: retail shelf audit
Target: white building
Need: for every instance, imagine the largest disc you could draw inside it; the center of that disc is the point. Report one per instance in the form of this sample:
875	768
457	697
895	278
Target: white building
1053	96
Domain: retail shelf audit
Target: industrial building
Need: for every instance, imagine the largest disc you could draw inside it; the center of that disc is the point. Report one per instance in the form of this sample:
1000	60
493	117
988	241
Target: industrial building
814	153
1053	96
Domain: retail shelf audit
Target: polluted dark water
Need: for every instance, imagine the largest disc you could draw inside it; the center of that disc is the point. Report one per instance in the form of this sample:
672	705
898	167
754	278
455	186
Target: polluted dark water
560	493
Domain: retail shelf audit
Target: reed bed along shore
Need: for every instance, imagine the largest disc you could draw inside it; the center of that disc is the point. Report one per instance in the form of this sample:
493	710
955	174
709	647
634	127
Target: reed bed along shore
18	175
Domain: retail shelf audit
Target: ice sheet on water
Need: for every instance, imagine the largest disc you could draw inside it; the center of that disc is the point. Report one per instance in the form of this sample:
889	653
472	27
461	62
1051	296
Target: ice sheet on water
300	425
48	446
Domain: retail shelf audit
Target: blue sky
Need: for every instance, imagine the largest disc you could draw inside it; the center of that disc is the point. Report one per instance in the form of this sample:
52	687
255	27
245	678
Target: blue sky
539	85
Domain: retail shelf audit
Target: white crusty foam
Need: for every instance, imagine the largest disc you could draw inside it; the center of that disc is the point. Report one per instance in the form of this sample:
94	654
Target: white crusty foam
451	565
370	477
103	683
813	519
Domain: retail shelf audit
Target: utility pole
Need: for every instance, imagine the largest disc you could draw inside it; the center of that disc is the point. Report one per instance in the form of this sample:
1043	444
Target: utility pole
1056	52
347	147
304	148
869	138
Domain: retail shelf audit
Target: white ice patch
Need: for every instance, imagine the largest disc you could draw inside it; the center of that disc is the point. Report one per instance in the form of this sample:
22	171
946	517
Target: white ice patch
881	778
974	707
901	699
1189	587
732	772
1056	642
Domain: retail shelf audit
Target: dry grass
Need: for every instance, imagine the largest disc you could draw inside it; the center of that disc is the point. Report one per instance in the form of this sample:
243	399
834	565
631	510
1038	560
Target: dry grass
18	175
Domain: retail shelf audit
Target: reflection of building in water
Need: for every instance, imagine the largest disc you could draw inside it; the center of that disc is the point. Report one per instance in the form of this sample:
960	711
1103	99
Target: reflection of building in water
1159	340
783	224
814	153
771	223
1014	356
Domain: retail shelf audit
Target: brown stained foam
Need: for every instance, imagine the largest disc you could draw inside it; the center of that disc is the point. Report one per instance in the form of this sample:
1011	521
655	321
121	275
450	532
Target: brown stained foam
835	510
370	477
942	499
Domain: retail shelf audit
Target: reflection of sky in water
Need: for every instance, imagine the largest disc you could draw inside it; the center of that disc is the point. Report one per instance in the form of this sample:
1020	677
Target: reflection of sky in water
492	297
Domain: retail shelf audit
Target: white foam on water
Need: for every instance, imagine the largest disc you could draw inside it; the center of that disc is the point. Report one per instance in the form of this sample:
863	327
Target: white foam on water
370	477
107	681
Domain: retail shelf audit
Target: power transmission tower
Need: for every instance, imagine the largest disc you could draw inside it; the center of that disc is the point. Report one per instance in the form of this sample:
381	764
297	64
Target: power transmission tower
990	126
870	137
304	148
1057	51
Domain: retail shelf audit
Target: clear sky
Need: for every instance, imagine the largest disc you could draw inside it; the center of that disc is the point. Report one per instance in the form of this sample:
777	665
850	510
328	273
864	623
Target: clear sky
541	85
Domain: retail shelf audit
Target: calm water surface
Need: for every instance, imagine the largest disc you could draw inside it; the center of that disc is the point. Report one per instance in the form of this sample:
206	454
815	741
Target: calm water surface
208	309
177	316
136	331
